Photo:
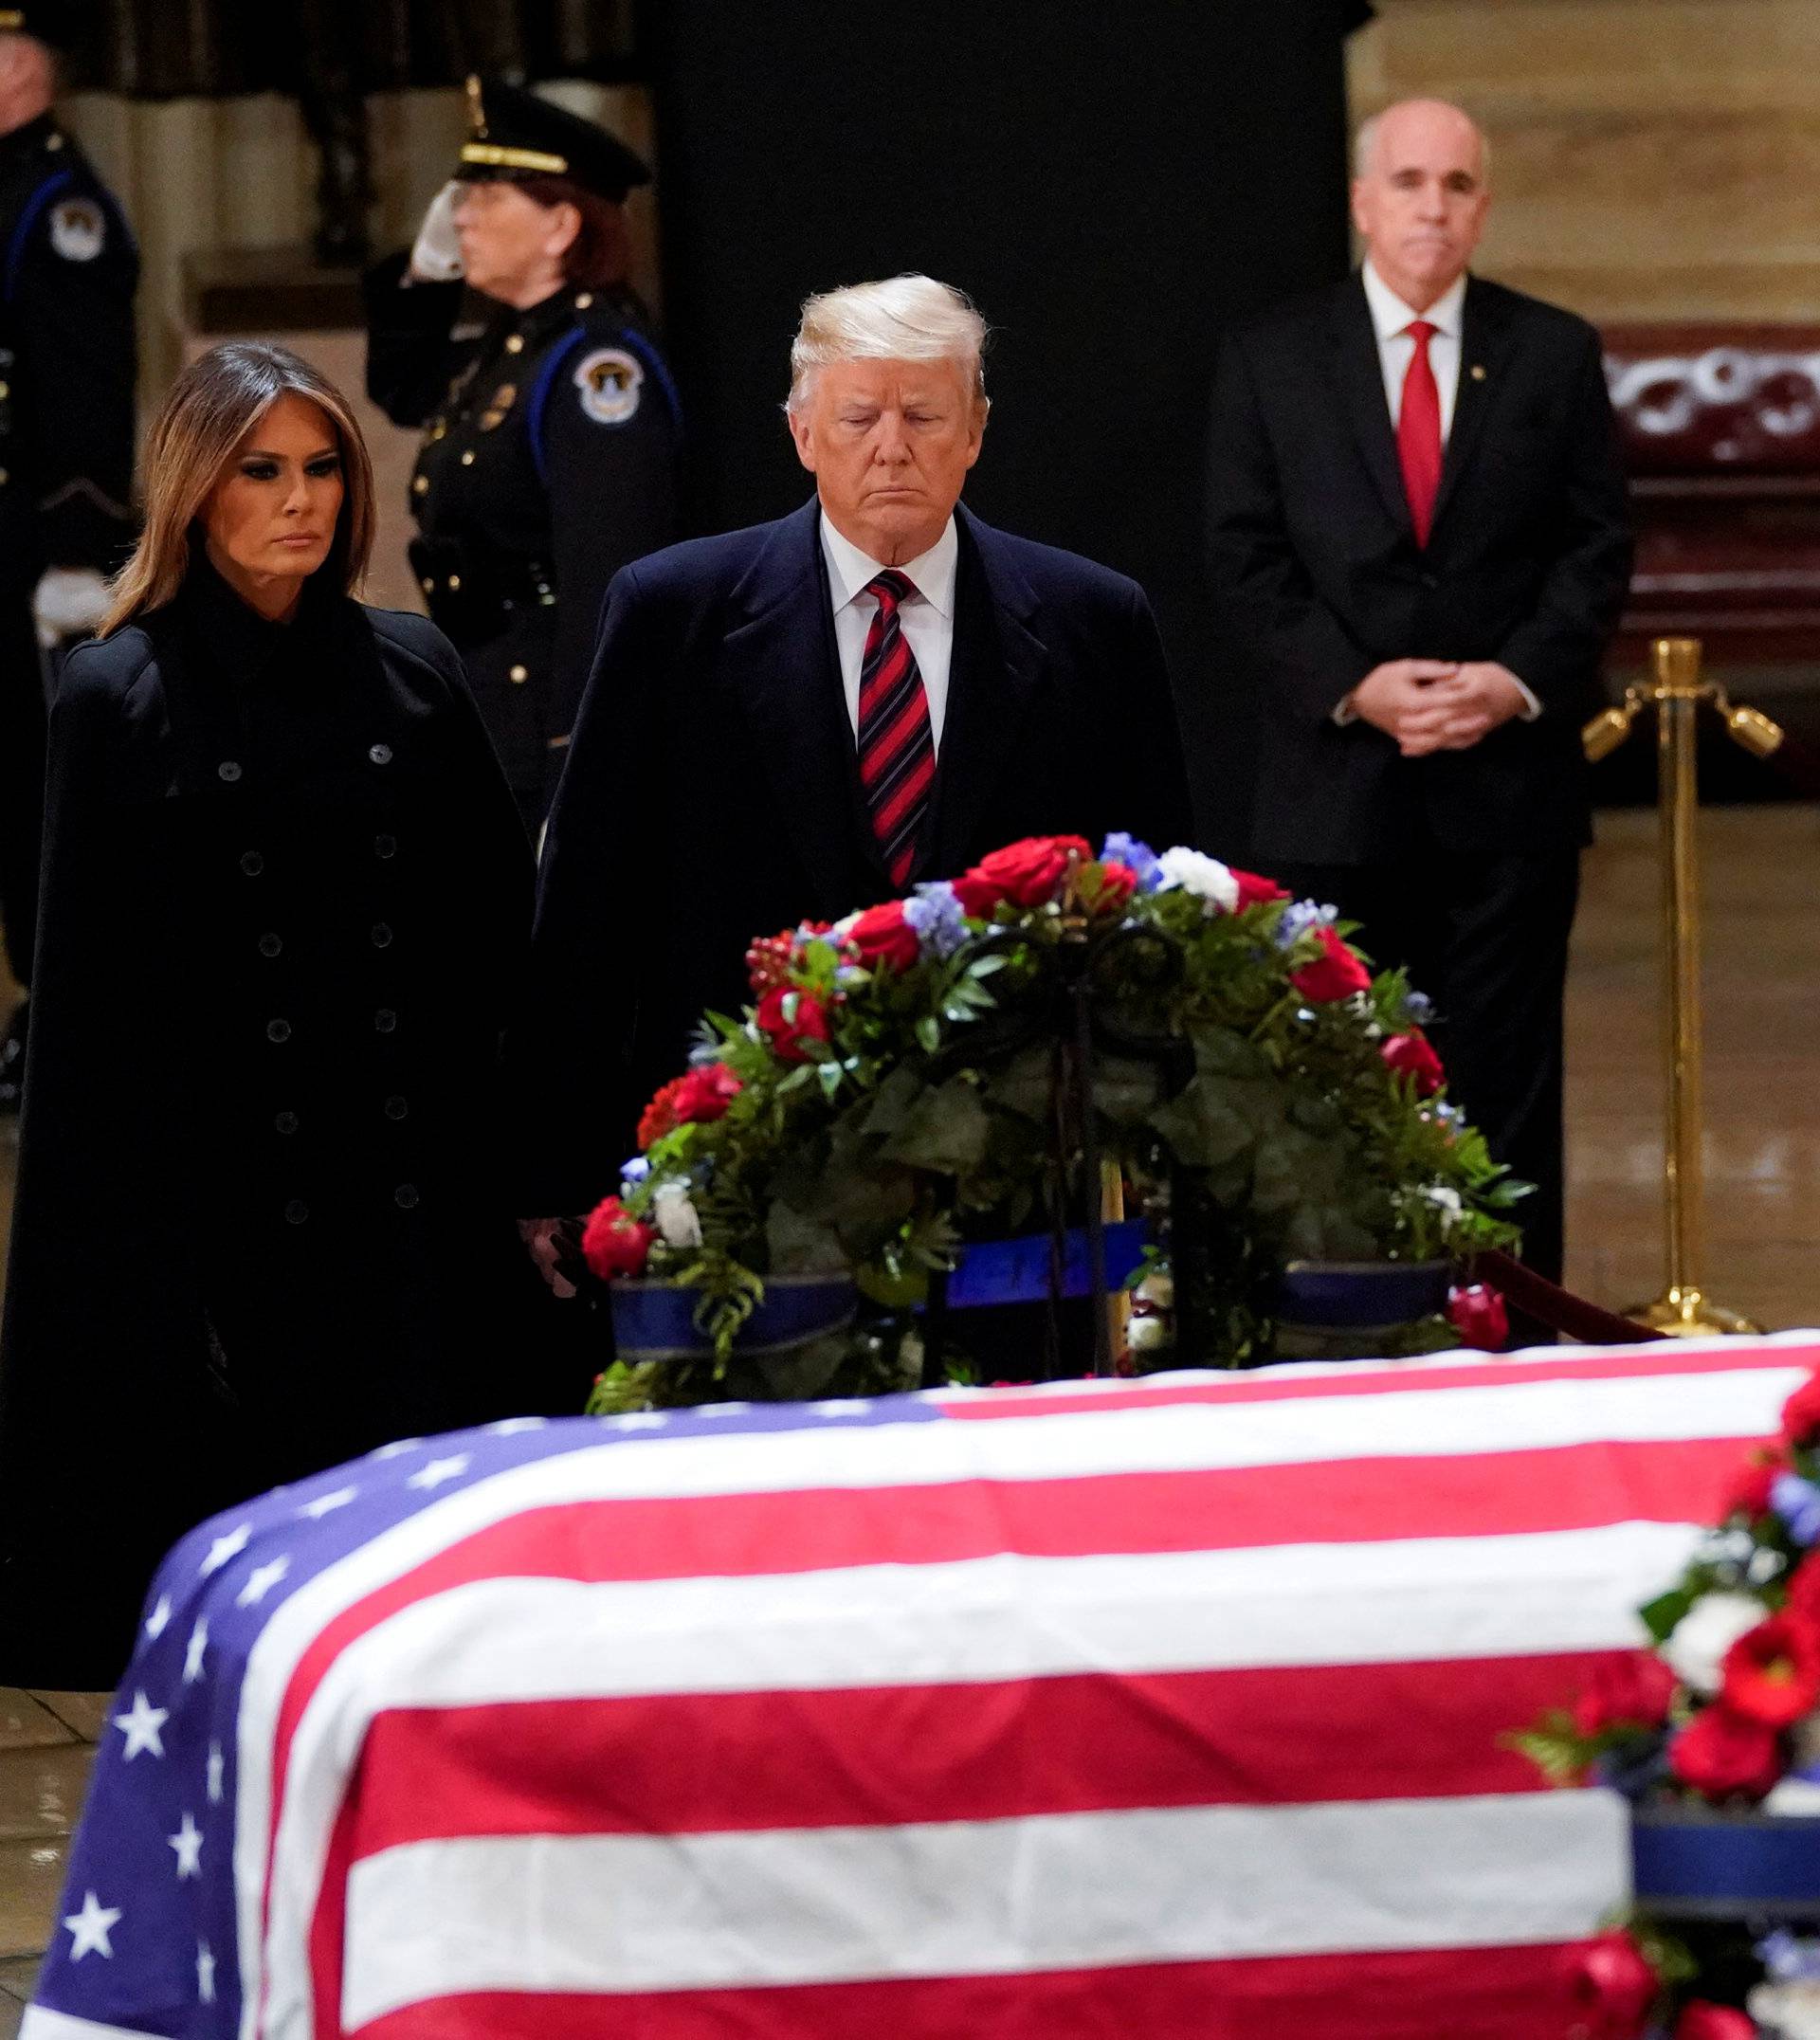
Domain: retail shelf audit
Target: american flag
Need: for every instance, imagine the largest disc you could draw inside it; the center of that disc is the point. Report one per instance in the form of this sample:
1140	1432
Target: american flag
1168	1707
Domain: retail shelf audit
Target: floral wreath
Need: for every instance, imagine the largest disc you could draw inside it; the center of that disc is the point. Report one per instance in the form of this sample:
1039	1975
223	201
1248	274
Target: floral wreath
887	1100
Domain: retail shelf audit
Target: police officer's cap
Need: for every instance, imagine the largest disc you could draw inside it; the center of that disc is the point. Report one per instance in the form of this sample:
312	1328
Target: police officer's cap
515	135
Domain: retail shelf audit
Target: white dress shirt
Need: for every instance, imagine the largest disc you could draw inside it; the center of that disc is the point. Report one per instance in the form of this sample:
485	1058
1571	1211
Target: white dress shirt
926	619
1391	318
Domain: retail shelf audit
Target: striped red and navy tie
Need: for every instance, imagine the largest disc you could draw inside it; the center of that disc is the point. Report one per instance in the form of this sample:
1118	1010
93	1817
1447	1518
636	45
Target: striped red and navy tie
896	744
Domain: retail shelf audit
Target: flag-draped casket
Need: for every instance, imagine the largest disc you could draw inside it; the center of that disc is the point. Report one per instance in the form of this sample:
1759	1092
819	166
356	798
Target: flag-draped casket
1171	1707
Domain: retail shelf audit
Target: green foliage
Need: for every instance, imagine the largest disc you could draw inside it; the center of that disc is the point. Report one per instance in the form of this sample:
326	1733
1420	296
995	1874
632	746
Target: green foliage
928	1117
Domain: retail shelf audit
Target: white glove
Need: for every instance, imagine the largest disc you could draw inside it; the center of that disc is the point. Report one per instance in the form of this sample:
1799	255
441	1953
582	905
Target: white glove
68	602
436	253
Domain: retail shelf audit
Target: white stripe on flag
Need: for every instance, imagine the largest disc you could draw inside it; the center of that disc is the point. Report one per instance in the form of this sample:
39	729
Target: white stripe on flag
615	1913
41	2024
1002	1617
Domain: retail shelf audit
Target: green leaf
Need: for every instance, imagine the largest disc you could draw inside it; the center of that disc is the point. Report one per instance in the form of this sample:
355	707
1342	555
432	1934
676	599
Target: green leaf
800	1244
929	1033
1022	1085
1125	1089
946	1131
892	1102
1203	1130
830	1074
1663	1616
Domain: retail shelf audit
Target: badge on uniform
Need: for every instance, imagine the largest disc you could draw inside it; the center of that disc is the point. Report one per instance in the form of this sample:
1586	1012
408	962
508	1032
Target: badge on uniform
78	230
503	399
609	380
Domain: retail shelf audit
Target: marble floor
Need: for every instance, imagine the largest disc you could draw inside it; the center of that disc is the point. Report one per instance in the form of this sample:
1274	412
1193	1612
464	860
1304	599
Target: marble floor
1762	986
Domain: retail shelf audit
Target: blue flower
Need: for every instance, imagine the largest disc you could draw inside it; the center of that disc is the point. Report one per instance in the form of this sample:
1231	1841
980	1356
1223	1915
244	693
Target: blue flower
1131	850
634	1171
1788	1959
1798	1501
1299	918
935	912
1418	1009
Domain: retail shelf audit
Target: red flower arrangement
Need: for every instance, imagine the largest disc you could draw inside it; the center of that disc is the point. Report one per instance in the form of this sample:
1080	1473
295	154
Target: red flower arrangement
791	1018
615	1243
1773	1672
1726	1756
1023	874
882	936
1614	1989
1701	2019
1255	891
1633	1691
693	1099
1413	1055
1478	1313
1336	974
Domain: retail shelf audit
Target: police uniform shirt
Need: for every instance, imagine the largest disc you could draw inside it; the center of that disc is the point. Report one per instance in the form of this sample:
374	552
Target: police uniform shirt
68	271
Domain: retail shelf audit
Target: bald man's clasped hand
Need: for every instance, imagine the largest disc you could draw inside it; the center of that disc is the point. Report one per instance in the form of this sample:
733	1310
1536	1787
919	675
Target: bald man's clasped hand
1437	704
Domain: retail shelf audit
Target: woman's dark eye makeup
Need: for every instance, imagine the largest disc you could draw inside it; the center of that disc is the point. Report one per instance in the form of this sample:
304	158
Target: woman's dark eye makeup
261	470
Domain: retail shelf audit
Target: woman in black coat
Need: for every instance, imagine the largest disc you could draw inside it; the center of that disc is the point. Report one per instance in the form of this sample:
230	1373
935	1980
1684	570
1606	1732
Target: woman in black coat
285	894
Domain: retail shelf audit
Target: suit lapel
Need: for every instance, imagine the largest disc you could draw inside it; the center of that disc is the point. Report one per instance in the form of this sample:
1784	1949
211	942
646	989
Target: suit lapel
994	681
783	659
1360	378
1482	338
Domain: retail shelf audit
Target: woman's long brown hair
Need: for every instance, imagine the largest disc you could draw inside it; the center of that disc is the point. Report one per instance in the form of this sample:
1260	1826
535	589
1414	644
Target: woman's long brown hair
205	417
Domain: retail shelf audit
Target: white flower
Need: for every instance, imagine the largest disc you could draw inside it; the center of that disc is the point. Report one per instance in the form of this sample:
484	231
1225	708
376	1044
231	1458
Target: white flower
1791	2009
1445	1199
677	1219
1696	1652
1205	877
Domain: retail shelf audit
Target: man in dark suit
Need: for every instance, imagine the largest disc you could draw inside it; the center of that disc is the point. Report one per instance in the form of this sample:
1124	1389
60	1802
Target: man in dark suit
789	721
1418	526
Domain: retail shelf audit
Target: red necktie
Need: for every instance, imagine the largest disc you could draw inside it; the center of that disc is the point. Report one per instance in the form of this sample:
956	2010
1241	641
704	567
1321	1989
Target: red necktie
1418	432
896	745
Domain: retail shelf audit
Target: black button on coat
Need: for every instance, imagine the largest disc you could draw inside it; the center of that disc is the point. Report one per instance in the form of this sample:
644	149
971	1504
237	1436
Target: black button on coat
234	1260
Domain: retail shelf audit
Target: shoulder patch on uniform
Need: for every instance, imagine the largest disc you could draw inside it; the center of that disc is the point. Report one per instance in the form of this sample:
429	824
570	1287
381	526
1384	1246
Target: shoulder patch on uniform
609	380
78	230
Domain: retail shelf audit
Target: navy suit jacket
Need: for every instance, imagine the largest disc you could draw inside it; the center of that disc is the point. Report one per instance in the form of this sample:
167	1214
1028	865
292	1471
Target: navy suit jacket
712	795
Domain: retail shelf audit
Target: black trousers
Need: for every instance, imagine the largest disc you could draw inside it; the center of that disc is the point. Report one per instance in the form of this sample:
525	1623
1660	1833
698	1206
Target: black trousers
22	778
1485	938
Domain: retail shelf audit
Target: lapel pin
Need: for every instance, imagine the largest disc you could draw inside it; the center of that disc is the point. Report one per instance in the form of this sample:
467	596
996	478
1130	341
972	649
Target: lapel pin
1478	372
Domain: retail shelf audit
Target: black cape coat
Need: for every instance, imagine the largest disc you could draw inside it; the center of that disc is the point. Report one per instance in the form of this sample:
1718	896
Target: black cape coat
258	1228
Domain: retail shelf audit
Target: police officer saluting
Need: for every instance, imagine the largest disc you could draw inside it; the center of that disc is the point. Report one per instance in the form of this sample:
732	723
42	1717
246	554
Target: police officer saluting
550	458
69	269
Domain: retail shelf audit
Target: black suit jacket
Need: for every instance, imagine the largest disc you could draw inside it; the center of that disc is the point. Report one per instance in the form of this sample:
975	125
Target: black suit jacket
1317	569
712	795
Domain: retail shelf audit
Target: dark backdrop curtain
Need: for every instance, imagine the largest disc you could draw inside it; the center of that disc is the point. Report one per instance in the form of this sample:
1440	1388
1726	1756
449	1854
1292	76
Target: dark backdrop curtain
1110	182
164	48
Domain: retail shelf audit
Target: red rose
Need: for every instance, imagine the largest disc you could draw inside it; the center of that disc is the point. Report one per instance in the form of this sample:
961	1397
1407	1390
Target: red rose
1773	1672
706	1093
1478	1314
1723	1755
792	1019
1116	883
1253	890
1022	874
660	1117
1749	1494
1701	2019
1801	1412
1413	1055
1630	1691
1614	1989
1336	974
882	935
614	1242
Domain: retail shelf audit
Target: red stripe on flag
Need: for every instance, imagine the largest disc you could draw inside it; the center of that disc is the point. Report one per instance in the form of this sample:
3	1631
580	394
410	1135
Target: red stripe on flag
1327	1502
699	1763
1371	1378
1451	1994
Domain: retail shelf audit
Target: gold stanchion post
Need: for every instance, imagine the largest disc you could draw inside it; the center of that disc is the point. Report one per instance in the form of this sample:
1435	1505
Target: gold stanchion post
1676	693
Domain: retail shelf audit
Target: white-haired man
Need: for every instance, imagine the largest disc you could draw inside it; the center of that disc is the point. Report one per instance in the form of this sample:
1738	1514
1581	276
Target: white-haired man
795	719
1418	526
